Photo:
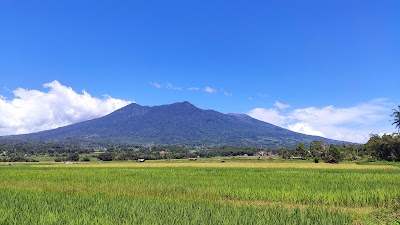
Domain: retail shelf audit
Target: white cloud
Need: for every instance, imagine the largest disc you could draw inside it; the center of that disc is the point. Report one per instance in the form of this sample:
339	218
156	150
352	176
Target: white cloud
226	93
281	105
209	90
33	110
155	84
359	114
172	87
268	115
305	128
166	86
354	123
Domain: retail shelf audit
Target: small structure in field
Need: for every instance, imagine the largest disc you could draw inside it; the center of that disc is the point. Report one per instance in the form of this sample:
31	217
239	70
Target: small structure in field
297	157
264	153
261	153
141	160
192	159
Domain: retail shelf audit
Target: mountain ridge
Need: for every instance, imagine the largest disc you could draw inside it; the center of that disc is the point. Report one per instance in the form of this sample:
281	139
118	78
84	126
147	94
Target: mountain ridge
179	123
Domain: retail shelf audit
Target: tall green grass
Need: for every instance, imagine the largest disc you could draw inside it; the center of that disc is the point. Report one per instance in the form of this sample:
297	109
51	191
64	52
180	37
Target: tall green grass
186	195
33	207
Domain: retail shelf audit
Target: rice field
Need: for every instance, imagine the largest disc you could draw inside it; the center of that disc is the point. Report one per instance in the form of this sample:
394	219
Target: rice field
202	192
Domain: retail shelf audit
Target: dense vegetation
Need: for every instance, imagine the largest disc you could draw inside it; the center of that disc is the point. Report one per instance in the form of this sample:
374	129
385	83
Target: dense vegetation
171	193
386	148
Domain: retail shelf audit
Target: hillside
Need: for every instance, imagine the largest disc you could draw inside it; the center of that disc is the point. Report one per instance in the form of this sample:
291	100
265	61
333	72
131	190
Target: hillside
178	123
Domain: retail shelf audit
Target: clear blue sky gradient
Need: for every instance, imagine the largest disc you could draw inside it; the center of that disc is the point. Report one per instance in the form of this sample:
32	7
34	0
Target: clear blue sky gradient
305	53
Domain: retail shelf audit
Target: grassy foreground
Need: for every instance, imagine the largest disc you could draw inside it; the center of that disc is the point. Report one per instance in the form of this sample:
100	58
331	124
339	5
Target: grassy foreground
207	192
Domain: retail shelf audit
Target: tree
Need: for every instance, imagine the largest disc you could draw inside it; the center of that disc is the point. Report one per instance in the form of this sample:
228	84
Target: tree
73	157
396	121
396	147
317	148
386	147
334	155
301	151
86	159
375	146
108	156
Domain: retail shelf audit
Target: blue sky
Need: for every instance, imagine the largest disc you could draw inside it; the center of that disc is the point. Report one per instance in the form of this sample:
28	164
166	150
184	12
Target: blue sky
328	59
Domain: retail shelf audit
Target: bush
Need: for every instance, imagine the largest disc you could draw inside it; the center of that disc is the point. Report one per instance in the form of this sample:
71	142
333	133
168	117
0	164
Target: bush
18	159
106	156
58	159
73	157
316	160
330	160
86	159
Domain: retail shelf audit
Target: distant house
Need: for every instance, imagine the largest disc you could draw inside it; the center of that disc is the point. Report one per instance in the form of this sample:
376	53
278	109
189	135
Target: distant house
261	153
141	160
192	159
296	157
264	153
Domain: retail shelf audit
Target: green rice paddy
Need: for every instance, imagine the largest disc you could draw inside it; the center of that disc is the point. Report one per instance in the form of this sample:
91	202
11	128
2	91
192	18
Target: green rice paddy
199	193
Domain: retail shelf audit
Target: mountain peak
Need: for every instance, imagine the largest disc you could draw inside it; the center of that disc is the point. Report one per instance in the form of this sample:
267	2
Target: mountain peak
181	105
185	103
178	123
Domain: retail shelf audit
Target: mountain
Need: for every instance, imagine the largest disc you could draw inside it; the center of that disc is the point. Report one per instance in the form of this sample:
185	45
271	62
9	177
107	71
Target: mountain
178	123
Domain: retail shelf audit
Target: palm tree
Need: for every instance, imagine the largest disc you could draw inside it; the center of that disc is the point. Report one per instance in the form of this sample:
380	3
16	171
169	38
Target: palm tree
396	121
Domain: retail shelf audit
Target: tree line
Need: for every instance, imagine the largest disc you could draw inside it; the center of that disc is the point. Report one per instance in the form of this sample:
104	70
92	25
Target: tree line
386	147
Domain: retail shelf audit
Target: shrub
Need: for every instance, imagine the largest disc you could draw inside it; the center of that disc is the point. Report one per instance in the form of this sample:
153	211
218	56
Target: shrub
58	159
106	156
86	159
73	157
